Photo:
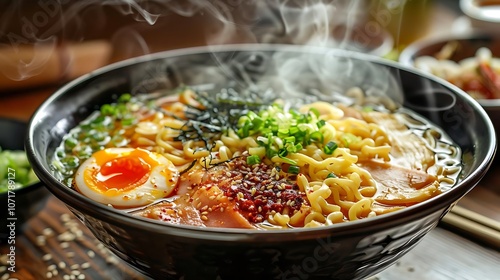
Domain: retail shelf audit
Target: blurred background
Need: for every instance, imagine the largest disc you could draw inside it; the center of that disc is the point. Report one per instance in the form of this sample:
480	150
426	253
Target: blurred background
51	41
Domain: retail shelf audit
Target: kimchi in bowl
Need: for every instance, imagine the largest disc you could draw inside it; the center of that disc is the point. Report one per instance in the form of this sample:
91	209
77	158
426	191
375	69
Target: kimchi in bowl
328	138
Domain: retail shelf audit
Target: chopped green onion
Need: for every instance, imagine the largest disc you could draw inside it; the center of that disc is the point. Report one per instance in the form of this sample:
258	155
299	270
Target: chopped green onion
125	98
293	169
330	147
282	152
316	136
108	109
251	160
70	143
289	161
315	112
331	175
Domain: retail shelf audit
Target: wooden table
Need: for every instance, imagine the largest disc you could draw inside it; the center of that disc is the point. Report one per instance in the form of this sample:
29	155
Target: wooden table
42	252
55	245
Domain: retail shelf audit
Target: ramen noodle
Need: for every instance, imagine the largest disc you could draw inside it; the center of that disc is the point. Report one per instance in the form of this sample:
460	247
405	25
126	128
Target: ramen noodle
214	160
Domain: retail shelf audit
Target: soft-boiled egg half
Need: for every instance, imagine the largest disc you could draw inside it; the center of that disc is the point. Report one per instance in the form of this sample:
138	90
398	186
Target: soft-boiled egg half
126	177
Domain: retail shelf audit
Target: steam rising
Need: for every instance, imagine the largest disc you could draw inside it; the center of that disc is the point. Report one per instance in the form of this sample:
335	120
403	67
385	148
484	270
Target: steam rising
309	22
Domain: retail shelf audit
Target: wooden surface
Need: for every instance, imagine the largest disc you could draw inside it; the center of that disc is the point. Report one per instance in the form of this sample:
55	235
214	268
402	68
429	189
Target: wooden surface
43	253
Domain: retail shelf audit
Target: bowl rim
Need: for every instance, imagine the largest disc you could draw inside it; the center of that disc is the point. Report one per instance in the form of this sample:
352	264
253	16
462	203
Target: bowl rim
114	216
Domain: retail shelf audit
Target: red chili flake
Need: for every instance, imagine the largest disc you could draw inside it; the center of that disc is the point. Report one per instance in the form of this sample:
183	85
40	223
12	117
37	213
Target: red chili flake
257	194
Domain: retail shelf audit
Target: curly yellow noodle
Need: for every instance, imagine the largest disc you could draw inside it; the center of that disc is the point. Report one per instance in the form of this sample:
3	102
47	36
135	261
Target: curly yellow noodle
225	154
313	224
377	152
347	187
334	218
360	209
298	217
234	142
314	216
336	198
279	219
326	110
143	141
192	151
360	144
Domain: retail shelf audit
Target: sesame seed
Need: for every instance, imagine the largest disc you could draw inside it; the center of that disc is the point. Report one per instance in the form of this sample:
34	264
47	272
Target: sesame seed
41	240
64	245
70	254
3	268
65	217
204	218
91	254
81	276
253	191
111	260
62	265
5	276
52	267
48	275
47	257
48	232
85	265
66	236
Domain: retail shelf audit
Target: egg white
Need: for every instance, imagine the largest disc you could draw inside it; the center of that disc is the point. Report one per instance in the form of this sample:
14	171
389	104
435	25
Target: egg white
161	182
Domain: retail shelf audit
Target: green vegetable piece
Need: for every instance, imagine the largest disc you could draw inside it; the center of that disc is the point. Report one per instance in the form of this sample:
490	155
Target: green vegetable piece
108	109
70	143
126	97
293	169
253	159
331	175
330	147
316	136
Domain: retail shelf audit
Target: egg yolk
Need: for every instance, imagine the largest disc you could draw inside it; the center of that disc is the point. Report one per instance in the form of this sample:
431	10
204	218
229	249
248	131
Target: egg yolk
123	173
119	172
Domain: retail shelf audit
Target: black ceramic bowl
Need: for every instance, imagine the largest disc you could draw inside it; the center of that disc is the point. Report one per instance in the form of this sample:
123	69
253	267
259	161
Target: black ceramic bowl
468	44
25	202
352	250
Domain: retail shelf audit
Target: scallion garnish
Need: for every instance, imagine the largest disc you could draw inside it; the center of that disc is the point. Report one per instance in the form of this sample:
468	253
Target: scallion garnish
331	175
254	159
293	169
330	147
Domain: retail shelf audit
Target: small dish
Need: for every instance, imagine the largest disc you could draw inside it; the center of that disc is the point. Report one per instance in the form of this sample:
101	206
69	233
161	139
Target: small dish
22	203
